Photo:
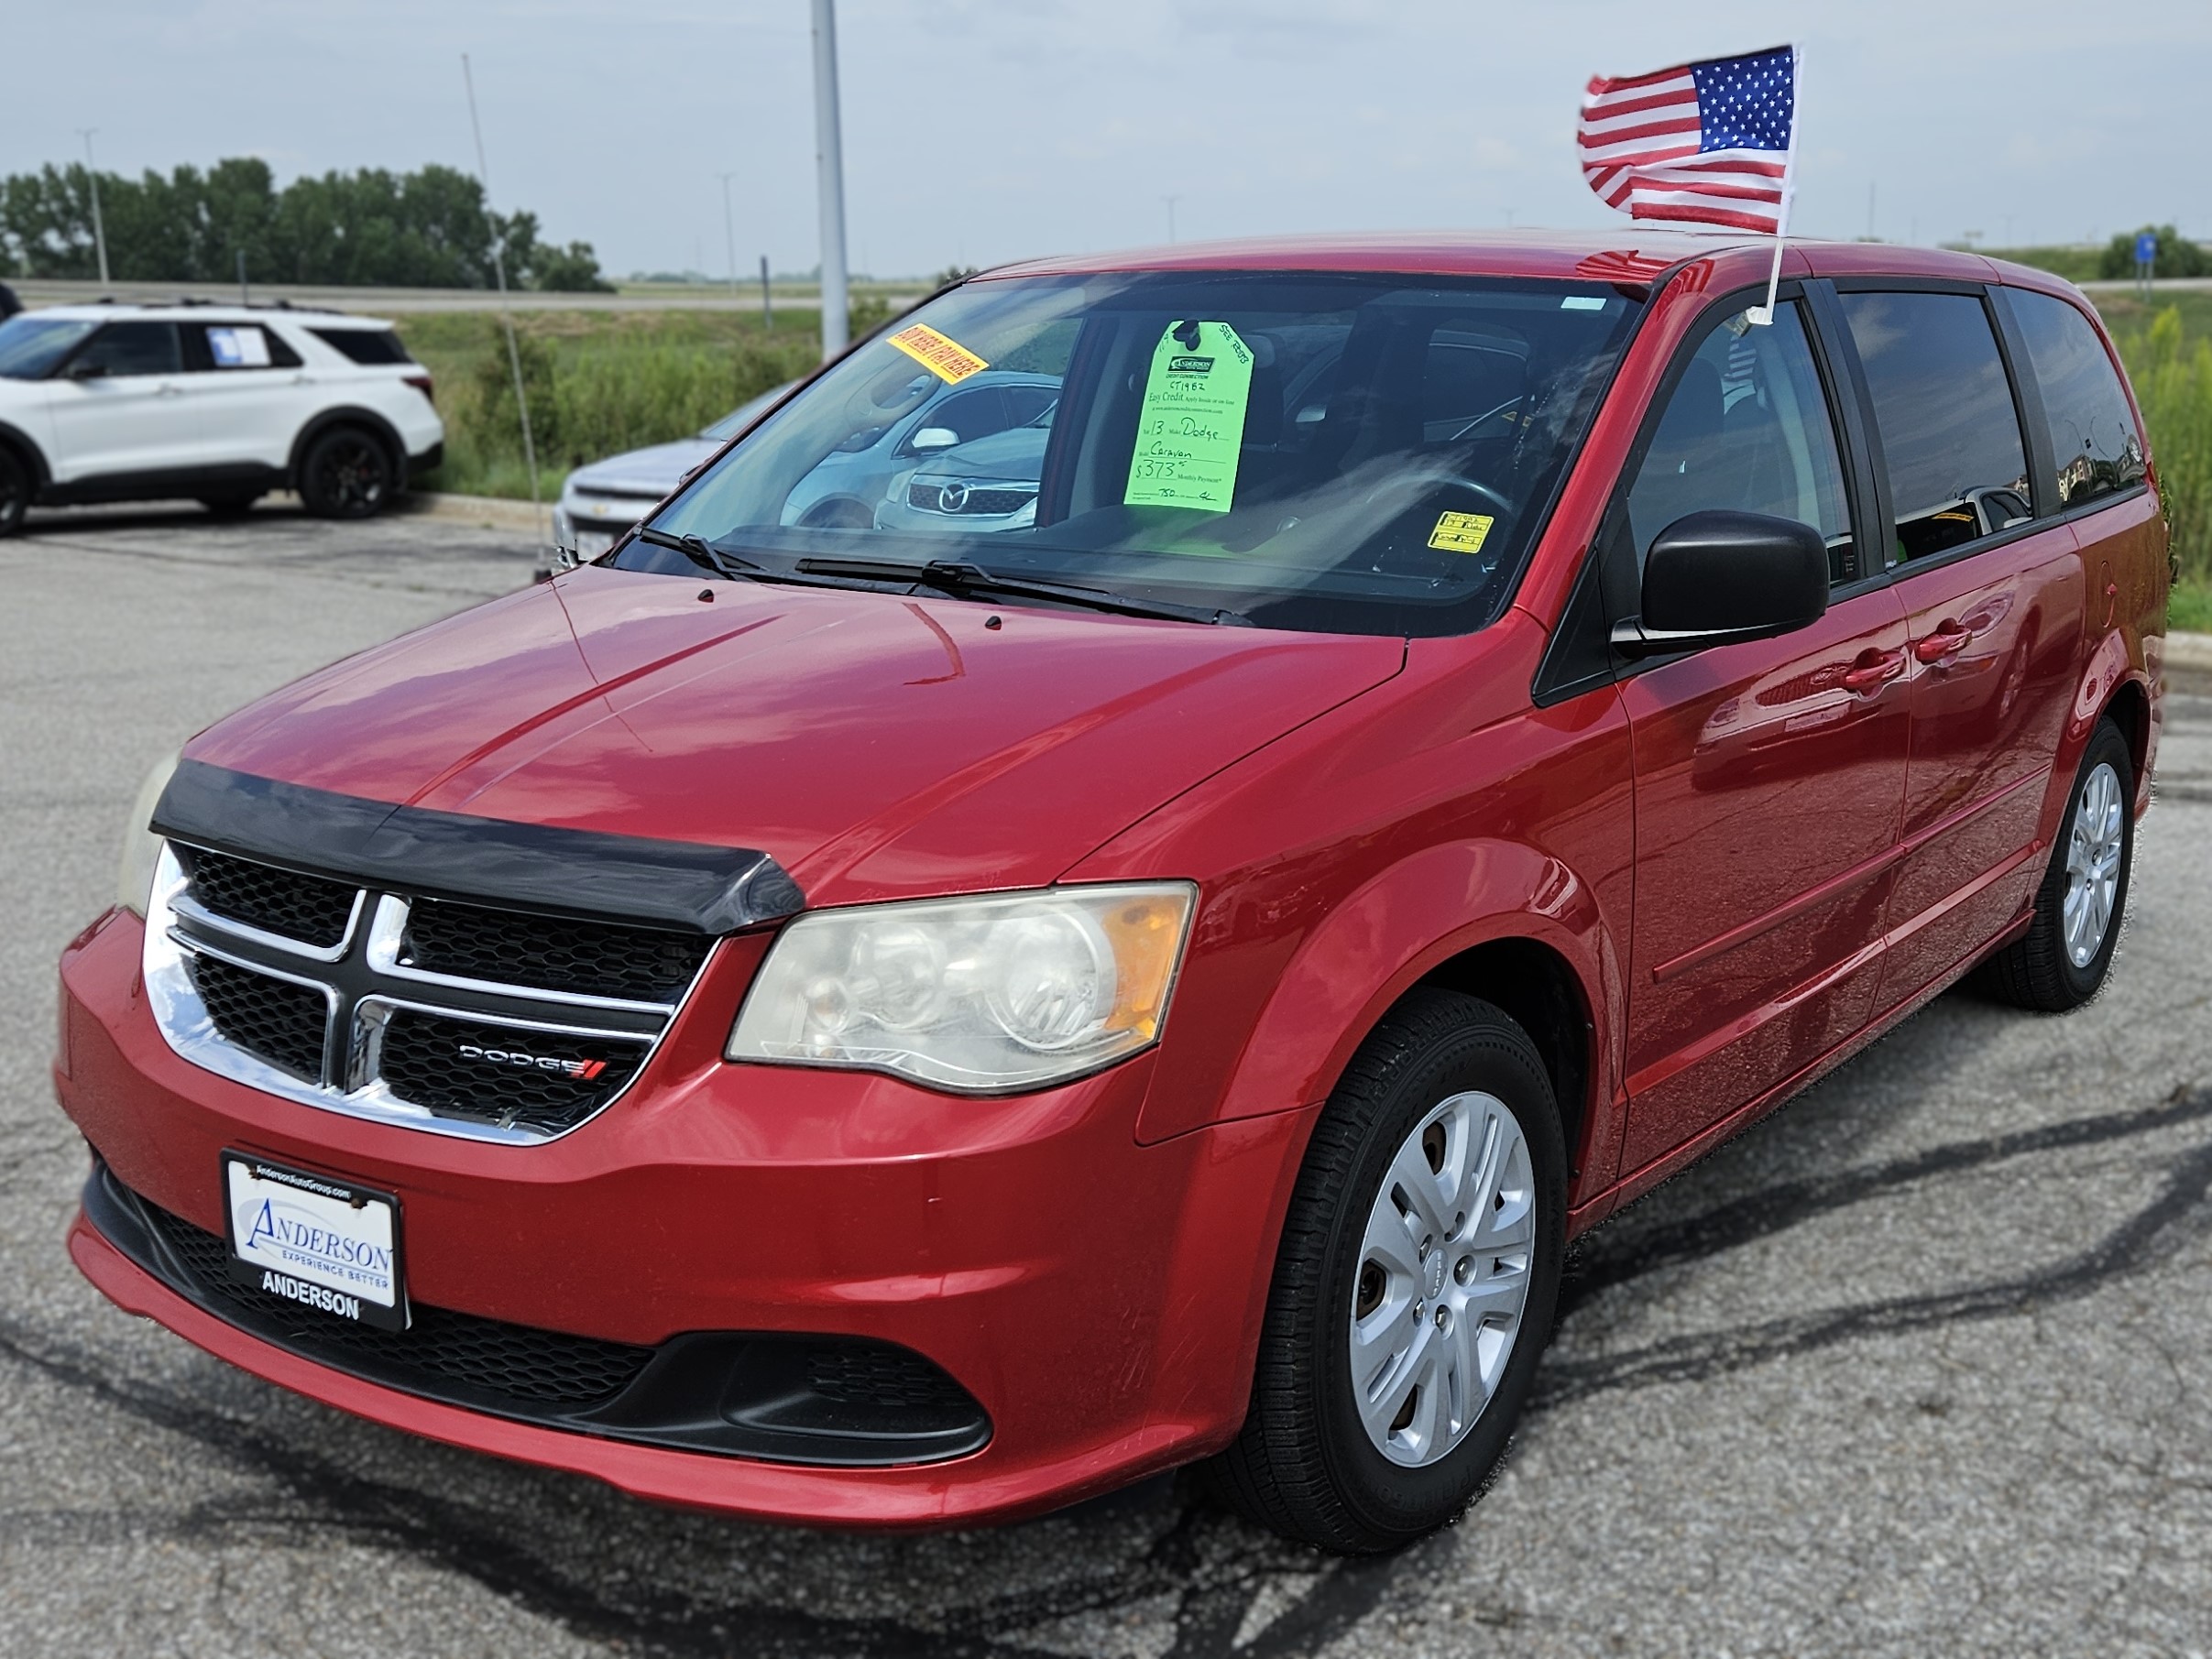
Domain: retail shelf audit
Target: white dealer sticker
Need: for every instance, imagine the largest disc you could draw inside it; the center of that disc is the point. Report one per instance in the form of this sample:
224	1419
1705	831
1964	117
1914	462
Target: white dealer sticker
315	1241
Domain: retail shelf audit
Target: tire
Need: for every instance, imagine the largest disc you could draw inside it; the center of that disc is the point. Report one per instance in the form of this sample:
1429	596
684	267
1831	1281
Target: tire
838	513
15	493
2061	961
346	474
1429	1083
233	504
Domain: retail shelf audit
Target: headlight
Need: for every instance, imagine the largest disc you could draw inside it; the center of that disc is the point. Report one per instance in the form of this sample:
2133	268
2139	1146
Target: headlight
975	994
141	847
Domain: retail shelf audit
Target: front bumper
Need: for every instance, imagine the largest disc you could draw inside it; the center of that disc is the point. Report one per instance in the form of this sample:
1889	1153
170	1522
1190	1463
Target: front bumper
1099	1299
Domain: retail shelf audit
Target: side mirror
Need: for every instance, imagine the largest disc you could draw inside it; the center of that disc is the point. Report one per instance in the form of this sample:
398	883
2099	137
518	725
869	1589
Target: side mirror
83	369
935	437
1715	578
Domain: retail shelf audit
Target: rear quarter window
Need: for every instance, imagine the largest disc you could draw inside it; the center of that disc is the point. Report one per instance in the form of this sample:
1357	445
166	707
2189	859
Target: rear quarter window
2094	439
367	346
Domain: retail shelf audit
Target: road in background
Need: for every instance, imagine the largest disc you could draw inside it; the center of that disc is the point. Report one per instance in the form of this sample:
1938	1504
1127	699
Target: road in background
1915	1367
35	292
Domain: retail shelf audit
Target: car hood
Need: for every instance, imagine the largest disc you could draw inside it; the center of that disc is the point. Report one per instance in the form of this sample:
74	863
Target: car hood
877	747
658	468
1014	455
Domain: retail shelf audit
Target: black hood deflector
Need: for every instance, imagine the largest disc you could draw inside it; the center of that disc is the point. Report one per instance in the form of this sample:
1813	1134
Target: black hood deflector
416	852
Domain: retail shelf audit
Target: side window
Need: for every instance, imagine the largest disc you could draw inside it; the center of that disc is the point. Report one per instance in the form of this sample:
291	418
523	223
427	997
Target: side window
219	347
1748	430
1943	406
132	348
367	346
975	414
2093	435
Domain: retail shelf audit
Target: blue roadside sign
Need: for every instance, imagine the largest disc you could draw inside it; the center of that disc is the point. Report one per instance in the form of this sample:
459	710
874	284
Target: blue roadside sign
2146	247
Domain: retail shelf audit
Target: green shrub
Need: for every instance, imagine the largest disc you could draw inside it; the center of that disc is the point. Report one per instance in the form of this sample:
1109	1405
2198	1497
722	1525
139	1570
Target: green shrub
598	383
2177	257
2173	379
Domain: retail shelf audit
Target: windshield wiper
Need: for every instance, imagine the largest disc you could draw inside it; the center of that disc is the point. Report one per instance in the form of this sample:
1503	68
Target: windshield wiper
716	560
960	577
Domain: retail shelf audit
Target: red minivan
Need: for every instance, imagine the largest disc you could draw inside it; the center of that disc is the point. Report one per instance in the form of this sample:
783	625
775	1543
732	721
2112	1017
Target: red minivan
1145	944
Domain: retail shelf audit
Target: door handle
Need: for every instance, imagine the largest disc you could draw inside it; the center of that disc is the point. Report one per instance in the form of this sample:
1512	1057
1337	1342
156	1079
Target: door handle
1948	640
168	388
1873	671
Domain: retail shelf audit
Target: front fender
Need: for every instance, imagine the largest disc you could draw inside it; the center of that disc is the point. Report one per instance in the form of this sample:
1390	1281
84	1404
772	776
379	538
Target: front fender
1402	924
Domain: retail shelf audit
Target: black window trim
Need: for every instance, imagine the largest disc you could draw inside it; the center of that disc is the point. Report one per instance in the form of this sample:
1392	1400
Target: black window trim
1607	576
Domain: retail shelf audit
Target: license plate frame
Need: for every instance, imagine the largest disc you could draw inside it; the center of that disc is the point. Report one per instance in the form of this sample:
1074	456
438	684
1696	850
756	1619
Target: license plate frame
319	1241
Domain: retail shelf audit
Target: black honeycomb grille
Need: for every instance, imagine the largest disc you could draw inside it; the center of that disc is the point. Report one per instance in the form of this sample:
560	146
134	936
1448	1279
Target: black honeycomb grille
860	1374
282	1022
534	1079
306	907
550	952
518	1362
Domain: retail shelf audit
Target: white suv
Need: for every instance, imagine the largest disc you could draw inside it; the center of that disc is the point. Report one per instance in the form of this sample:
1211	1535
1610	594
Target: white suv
221	403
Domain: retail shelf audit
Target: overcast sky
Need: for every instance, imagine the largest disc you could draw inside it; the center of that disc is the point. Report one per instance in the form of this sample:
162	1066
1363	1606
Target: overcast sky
984	130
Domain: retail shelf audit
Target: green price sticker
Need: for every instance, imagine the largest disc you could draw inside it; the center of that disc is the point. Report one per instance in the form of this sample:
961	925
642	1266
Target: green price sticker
1193	420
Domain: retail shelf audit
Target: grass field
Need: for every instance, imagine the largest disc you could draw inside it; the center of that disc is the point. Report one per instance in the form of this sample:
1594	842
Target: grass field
601	382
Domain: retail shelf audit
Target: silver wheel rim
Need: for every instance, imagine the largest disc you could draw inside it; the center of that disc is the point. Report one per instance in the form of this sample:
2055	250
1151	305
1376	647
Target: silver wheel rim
2094	846
1442	1278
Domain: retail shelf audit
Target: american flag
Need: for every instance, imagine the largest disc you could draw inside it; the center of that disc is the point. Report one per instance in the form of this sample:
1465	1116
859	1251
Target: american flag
1708	143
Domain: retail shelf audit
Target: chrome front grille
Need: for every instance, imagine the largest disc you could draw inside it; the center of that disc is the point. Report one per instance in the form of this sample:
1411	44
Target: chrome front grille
458	1018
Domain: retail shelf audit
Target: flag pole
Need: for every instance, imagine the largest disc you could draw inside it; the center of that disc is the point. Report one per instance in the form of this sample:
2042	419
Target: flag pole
1762	315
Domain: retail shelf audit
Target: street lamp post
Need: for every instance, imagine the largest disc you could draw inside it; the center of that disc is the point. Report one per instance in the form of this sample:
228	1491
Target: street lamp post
729	234
92	173
830	161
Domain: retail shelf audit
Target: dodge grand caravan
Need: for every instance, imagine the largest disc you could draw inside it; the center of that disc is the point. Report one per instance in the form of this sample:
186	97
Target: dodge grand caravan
864	1026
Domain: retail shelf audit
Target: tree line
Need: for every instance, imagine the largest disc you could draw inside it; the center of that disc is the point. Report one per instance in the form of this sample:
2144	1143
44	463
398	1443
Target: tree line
2177	256
424	229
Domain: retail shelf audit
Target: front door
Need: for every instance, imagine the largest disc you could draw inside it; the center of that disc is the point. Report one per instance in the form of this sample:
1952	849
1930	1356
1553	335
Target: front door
119	406
1768	776
1994	603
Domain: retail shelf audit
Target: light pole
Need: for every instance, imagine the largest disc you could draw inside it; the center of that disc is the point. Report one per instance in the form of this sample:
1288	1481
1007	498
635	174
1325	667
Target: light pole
829	159
93	174
729	234
506	320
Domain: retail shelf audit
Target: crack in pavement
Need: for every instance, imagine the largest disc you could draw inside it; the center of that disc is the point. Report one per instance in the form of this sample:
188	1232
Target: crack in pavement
2145	1237
1213	1566
1214	1584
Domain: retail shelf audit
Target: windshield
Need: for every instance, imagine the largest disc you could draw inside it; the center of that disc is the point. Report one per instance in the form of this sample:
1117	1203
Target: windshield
1357	454
31	345
739	418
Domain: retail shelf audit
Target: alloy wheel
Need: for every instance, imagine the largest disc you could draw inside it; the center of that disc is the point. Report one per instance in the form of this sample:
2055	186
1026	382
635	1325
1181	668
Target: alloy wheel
351	477
1443	1278
2094	846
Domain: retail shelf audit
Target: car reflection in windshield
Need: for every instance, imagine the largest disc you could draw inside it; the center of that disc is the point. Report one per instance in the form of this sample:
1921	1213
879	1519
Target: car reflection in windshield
844	488
987	484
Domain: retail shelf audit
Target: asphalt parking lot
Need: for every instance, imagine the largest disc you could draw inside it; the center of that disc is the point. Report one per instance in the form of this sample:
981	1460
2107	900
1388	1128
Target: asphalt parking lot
1916	1367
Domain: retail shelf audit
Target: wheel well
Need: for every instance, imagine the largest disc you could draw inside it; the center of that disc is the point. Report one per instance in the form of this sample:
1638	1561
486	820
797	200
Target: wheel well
1533	983
2131	711
28	452
368	420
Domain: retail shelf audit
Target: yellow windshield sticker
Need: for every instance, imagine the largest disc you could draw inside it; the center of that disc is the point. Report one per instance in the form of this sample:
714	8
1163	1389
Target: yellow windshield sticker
1461	532
1192	423
946	359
